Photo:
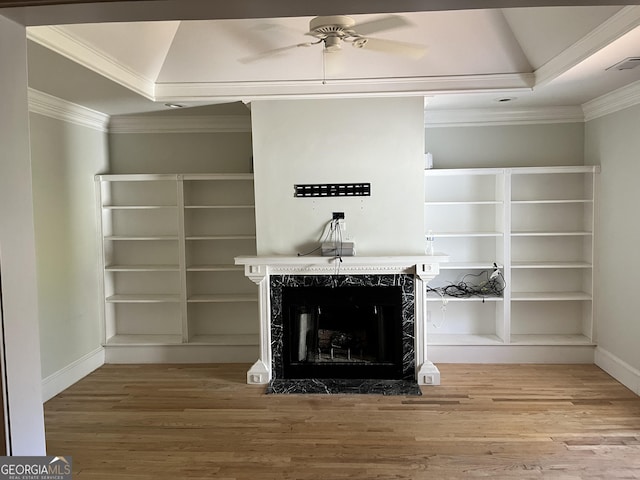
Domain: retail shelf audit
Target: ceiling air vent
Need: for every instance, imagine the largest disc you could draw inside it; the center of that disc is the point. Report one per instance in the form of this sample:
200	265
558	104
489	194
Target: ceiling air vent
626	64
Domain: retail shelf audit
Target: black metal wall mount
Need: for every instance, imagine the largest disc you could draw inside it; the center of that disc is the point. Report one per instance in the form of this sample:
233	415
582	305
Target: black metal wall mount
332	190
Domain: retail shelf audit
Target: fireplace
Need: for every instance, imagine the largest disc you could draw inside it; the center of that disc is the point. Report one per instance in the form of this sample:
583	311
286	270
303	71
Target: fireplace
342	332
365	321
362	316
311	343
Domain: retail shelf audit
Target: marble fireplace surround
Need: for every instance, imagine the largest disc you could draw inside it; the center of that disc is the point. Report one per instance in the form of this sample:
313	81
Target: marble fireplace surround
260	269
281	384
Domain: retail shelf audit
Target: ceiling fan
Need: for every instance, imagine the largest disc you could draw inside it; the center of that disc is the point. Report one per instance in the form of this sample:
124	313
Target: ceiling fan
333	31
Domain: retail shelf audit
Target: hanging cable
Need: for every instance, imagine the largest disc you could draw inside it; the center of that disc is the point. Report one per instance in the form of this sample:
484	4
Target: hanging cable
492	286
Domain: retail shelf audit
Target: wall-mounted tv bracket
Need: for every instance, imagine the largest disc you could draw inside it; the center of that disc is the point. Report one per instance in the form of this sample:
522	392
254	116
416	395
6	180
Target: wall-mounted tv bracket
332	190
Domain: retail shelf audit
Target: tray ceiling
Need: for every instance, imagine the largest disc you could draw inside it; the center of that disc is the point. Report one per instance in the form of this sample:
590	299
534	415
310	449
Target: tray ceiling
543	56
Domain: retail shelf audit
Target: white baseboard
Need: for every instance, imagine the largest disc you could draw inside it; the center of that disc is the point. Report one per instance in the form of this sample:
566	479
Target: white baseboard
619	369
510	353
183	353
64	378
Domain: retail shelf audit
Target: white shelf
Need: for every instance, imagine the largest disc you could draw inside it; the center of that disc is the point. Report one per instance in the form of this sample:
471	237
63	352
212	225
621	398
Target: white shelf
555	170
217	176
551	265
552	202
222	298
215	268
140	207
113	238
548	296
455	203
432	296
137	177
143	298
219	207
142	268
462	339
551	234
235	339
470	265
464	234
146	339
221	237
437	172
550	339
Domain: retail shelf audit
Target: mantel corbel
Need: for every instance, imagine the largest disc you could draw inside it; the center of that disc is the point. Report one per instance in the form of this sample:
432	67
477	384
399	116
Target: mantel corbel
427	271
256	273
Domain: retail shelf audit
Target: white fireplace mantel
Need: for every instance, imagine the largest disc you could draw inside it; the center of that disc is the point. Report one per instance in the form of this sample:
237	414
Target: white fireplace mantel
424	268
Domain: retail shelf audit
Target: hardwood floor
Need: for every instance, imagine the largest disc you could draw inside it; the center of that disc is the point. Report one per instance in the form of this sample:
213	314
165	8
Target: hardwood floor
203	421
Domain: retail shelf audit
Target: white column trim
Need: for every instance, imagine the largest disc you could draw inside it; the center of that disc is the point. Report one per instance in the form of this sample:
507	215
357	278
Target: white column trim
260	372
426	372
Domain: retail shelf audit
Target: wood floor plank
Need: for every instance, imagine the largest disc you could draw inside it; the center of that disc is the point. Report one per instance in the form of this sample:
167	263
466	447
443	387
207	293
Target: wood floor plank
144	422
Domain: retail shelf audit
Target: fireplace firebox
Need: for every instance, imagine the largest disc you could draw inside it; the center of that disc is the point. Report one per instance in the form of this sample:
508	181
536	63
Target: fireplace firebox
365	321
342	332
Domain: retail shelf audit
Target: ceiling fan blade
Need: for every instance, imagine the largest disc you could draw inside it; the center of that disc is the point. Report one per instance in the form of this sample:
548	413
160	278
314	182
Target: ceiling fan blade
271	53
258	37
388	22
412	50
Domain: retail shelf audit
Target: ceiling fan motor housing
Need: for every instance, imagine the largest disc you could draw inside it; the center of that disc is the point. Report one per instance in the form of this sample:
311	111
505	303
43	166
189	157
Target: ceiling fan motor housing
332	26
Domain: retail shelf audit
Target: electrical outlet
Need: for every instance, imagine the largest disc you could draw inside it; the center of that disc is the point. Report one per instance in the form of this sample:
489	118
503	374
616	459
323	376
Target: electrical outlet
338	215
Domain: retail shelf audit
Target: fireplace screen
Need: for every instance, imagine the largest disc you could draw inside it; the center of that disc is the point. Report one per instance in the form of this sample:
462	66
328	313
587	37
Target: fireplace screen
342	332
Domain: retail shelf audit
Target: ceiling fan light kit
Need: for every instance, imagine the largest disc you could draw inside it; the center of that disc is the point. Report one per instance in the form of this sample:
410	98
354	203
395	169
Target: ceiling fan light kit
332	44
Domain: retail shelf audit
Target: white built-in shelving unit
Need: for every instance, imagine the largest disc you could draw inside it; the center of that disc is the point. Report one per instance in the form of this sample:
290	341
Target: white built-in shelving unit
535	224
168	245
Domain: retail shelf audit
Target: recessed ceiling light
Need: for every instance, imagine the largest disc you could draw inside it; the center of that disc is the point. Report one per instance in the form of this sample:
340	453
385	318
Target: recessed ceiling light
173	105
504	99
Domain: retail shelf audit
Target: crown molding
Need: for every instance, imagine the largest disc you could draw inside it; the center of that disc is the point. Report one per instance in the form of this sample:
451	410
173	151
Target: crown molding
502	116
54	107
613	28
180	124
612	102
62	42
336	88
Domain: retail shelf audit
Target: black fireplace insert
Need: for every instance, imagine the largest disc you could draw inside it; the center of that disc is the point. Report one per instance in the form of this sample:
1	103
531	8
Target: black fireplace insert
342	332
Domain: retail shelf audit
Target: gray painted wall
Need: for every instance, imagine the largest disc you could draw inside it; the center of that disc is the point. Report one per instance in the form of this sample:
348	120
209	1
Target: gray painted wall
65	158
180	152
506	146
613	141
